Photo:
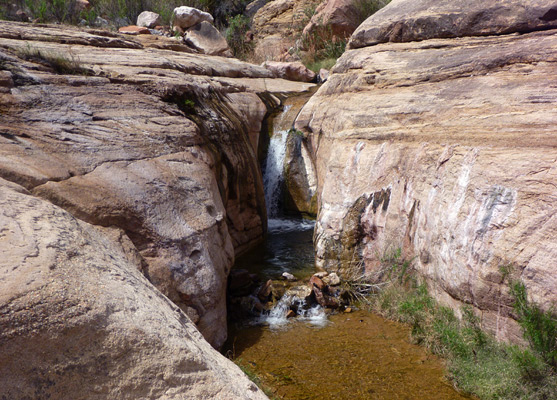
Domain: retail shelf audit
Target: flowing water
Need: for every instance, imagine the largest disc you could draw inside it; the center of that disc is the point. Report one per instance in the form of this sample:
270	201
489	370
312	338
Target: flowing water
349	356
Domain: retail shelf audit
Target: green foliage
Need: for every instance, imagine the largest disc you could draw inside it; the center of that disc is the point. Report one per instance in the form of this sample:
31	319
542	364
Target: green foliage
296	132
66	11
366	8
238	27
476	362
539	327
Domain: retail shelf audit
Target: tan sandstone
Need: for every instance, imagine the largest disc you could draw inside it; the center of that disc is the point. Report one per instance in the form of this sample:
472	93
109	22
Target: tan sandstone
155	142
78	319
446	148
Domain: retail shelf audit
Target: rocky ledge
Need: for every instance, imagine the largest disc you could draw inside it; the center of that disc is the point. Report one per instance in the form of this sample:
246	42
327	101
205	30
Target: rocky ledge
129	182
435	133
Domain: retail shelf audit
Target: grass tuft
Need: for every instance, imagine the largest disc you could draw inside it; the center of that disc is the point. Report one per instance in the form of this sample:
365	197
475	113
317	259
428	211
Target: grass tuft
476	362
67	64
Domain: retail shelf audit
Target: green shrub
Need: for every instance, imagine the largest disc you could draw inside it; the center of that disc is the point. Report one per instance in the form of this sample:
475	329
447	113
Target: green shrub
366	8
539	327
477	363
238	27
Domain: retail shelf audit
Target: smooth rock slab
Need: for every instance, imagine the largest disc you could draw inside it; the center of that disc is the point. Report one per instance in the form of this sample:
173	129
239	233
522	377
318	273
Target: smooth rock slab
410	20
80	321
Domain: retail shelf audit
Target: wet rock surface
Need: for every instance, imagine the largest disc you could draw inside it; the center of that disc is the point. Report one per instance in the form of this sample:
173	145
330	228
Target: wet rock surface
443	147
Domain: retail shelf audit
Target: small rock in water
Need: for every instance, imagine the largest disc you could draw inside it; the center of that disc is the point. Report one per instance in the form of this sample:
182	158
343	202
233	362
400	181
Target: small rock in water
316	282
332	279
289	277
265	291
321	274
290	314
348	310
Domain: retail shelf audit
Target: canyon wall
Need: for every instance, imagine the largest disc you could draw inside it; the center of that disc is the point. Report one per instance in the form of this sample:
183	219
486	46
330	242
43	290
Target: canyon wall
435	133
129	177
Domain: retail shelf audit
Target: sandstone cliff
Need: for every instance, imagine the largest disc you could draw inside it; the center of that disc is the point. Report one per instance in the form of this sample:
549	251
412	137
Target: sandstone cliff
154	152
436	133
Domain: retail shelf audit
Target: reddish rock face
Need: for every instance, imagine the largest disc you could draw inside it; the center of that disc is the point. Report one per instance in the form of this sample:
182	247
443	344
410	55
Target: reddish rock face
134	30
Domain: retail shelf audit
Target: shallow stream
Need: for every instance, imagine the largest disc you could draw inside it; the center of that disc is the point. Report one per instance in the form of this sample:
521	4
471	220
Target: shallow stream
350	356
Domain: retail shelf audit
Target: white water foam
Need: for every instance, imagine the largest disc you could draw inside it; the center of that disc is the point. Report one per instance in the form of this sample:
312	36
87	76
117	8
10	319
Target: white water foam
276	319
285	225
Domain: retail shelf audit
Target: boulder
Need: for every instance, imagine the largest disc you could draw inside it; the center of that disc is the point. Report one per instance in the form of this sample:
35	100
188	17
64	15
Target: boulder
185	17
134	30
336	18
82	5
299	177
294	71
79	320
301	292
149	19
316	282
205	38
432	145
409	20
265	291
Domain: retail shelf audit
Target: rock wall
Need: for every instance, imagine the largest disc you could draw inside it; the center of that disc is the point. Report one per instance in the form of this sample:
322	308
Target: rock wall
435	133
78	319
156	150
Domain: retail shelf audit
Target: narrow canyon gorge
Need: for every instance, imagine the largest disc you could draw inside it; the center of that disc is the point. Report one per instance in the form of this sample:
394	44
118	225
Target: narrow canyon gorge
131	180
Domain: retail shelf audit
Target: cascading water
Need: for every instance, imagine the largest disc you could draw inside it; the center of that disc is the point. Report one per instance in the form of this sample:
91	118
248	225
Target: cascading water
278	316
273	177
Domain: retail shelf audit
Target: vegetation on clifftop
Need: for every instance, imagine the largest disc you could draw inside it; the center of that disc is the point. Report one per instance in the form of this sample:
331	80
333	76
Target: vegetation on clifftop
477	363
125	11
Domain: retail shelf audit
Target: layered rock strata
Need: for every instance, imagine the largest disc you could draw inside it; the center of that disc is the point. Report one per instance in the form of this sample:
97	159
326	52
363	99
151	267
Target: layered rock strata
444	147
157	150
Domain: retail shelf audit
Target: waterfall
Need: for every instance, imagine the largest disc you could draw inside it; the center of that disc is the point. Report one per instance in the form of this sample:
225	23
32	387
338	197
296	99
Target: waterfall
274	169
273	176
